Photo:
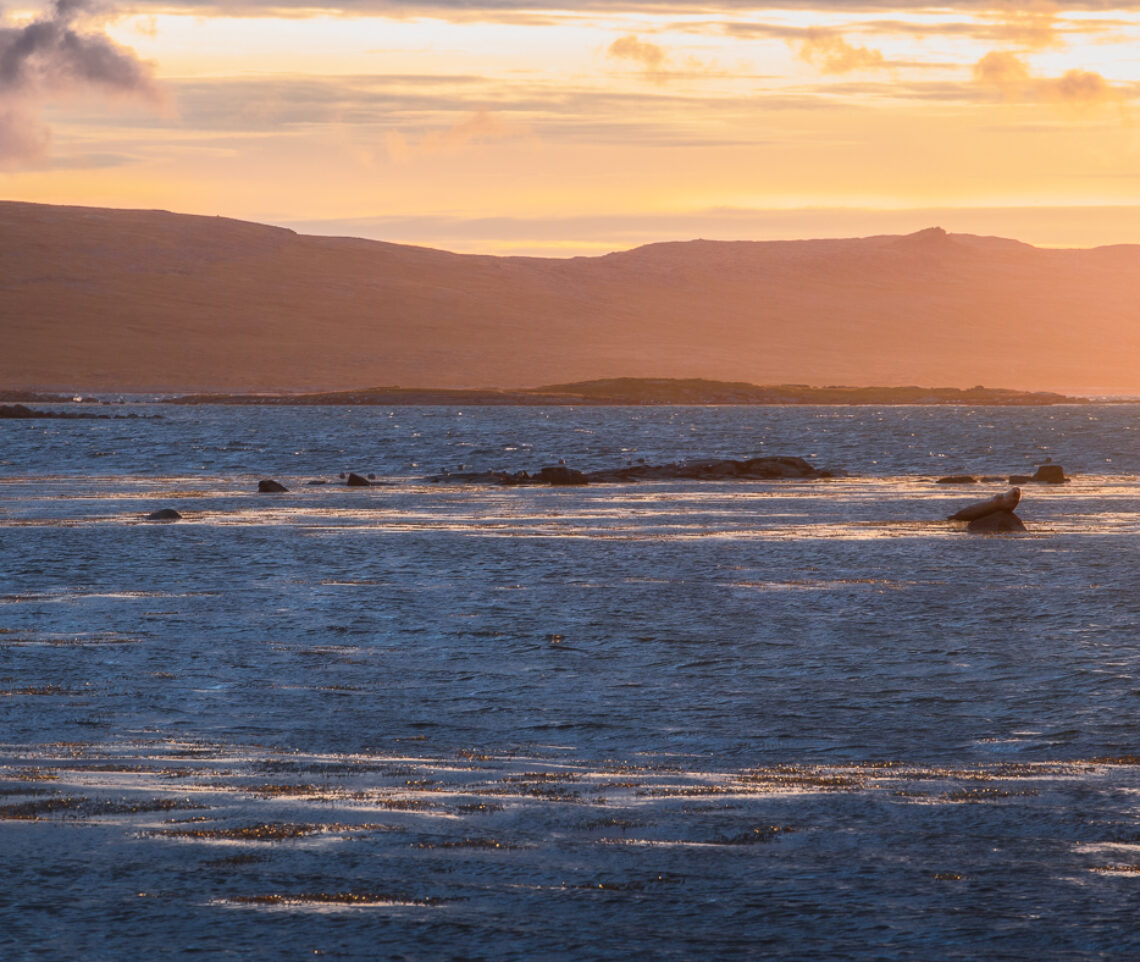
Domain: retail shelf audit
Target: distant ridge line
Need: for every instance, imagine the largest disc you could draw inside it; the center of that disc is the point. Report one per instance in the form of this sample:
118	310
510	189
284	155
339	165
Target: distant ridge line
101	300
648	391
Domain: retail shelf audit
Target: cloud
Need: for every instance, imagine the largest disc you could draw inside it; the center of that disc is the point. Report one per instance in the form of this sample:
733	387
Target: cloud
1076	89
23	138
657	64
832	54
1082	88
649	55
547	11
54	57
1032	24
481	127
1004	71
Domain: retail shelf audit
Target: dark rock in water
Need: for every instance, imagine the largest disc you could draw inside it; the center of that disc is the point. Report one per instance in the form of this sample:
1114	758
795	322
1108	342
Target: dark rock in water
1002	502
269	486
477	477
356	481
1045	474
164	514
719	469
752	469
996	522
957	479
1050	474
781	468
21	411
311	483
561	475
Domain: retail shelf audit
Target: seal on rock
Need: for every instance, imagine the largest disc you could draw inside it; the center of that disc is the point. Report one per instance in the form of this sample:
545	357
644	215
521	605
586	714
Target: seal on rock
1002	502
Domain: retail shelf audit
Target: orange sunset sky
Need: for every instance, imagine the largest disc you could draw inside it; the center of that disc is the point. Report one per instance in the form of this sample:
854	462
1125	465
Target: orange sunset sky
518	126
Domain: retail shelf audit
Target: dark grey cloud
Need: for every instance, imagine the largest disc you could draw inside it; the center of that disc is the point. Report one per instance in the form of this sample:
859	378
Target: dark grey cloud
55	53
52	56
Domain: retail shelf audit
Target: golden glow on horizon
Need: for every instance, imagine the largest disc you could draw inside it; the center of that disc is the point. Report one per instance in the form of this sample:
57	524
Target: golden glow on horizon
324	117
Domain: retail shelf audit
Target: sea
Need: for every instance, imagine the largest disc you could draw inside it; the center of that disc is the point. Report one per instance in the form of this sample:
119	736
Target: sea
422	720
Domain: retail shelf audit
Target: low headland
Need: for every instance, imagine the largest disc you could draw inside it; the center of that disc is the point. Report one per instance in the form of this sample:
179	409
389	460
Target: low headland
648	391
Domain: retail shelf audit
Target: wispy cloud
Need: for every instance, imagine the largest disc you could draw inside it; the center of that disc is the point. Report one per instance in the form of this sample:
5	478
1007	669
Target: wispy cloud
832	54
480	127
1032	24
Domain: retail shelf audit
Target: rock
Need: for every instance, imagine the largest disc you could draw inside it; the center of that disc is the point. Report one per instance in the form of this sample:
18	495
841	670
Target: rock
1045	474
164	514
269	486
356	481
18	411
718	469
1002	502
1050	474
712	469
311	483
957	479
561	475
779	468
996	522
23	411
479	477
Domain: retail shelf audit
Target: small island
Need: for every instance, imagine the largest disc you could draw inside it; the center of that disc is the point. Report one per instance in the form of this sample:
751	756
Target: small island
649	391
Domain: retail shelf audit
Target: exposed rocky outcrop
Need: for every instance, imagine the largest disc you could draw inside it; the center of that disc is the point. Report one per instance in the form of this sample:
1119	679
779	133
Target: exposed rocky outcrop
164	514
958	479
561	475
1050	474
716	469
1045	474
996	522
21	411
751	469
269	486
356	481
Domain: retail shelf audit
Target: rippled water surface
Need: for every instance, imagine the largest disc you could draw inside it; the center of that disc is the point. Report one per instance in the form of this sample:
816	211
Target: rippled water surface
723	719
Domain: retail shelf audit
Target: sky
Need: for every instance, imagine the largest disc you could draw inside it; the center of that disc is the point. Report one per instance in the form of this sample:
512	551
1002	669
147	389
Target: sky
570	127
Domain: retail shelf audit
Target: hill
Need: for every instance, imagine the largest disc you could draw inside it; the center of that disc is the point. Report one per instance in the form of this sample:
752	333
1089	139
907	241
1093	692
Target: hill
94	299
632	391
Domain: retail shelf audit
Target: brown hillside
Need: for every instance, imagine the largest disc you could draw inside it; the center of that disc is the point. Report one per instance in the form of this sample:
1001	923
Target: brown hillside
96	299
